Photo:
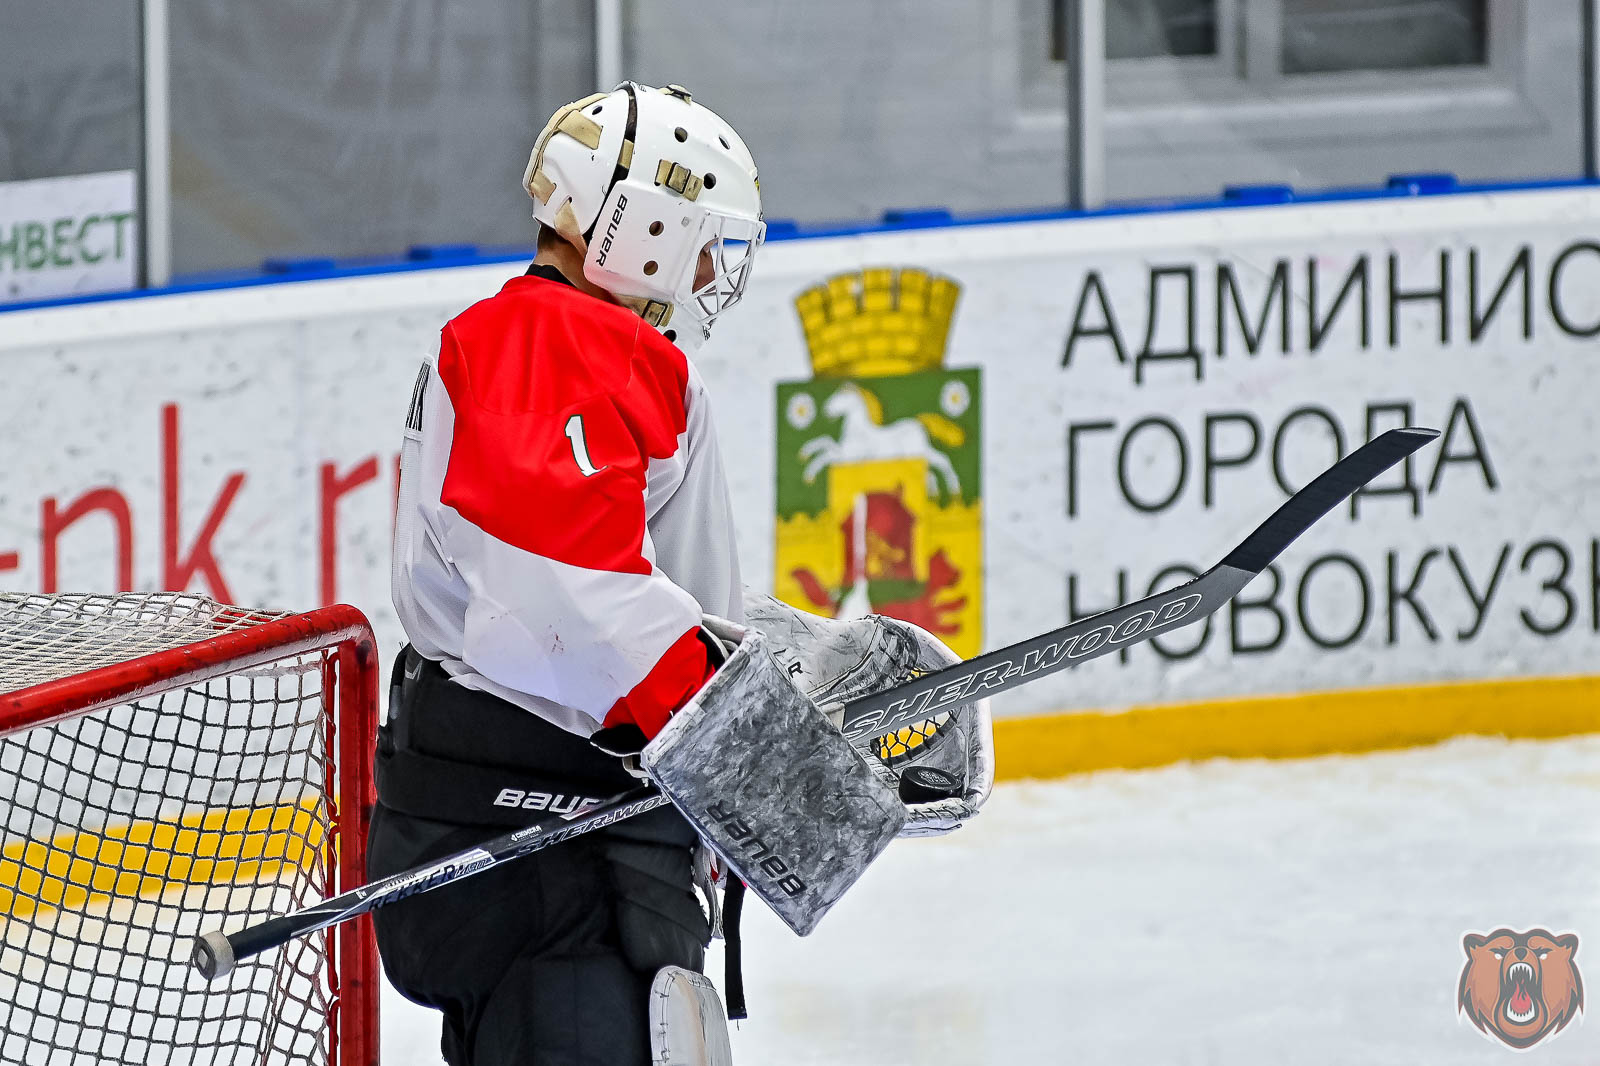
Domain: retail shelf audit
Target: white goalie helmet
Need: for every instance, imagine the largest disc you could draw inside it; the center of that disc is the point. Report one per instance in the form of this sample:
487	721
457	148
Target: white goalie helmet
644	180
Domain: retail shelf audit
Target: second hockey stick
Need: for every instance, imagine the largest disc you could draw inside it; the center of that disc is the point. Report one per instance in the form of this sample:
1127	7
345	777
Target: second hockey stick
882	713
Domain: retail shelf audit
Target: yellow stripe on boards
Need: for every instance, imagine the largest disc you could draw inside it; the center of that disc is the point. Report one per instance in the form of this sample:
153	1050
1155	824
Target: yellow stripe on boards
232	846
215	847
1295	726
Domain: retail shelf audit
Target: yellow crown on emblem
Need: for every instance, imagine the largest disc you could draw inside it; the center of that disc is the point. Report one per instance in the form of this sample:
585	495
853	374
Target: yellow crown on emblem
878	322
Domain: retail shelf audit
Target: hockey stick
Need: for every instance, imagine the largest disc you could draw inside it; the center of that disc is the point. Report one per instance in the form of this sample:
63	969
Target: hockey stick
216	953
882	713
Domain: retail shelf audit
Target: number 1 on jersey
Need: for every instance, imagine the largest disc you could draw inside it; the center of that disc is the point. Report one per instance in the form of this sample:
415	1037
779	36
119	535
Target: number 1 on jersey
580	448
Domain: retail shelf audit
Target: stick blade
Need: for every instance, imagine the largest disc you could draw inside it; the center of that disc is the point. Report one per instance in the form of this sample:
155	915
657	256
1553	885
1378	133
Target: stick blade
1323	494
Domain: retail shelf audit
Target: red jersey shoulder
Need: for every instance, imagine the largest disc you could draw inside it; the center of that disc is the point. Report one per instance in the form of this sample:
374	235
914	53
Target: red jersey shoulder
561	401
539	346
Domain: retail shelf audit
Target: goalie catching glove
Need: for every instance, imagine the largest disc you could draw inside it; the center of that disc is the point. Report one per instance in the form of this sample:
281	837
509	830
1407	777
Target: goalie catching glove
944	766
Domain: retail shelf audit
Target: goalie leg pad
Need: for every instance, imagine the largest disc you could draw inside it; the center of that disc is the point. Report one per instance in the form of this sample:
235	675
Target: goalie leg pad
774	788
686	1023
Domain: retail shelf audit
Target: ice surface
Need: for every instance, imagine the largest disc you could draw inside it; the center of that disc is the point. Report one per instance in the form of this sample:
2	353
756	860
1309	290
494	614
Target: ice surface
1306	911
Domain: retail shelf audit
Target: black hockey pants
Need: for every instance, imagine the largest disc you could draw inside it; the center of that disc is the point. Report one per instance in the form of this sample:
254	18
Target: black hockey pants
547	960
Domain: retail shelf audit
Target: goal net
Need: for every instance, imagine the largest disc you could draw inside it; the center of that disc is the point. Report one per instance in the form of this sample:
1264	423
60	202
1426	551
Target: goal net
171	765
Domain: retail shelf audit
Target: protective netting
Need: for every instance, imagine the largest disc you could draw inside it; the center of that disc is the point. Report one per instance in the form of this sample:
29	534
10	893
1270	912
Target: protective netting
895	747
43	638
128	830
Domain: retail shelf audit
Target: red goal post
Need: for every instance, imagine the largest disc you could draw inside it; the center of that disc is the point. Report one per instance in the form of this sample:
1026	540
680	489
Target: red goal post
169	764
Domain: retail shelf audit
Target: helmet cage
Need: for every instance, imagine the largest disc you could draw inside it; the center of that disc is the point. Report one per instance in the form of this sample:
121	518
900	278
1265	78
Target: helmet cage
731	244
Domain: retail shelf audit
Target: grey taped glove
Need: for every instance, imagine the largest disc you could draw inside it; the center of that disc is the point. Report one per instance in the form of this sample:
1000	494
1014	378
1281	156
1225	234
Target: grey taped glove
834	661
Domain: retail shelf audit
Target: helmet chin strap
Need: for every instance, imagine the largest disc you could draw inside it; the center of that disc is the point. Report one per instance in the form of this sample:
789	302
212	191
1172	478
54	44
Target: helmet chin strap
654	312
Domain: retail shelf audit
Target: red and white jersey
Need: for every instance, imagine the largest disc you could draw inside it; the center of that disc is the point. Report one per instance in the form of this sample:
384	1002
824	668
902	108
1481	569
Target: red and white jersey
564	516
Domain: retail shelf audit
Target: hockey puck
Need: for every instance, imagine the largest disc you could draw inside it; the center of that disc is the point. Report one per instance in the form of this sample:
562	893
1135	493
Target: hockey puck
928	784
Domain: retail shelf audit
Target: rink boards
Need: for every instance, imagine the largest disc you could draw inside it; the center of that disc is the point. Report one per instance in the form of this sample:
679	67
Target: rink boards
1058	415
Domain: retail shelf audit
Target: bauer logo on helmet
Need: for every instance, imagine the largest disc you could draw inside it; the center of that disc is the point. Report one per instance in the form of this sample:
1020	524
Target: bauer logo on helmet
611	230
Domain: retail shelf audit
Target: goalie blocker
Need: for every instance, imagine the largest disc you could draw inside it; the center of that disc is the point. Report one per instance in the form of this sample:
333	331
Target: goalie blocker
774	788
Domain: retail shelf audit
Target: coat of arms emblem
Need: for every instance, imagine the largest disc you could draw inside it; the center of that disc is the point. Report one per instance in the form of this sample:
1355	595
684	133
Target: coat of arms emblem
879	472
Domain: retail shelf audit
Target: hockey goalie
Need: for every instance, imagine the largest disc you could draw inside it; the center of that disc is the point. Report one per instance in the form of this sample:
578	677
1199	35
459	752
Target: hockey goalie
565	571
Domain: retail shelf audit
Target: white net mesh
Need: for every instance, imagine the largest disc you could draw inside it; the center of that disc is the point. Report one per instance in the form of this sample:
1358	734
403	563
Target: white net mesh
43	638
128	830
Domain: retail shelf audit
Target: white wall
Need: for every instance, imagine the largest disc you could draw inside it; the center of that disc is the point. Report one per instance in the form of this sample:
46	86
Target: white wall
282	389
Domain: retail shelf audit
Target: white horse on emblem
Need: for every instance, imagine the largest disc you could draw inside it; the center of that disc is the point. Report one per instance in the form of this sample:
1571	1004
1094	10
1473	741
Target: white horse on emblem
864	438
